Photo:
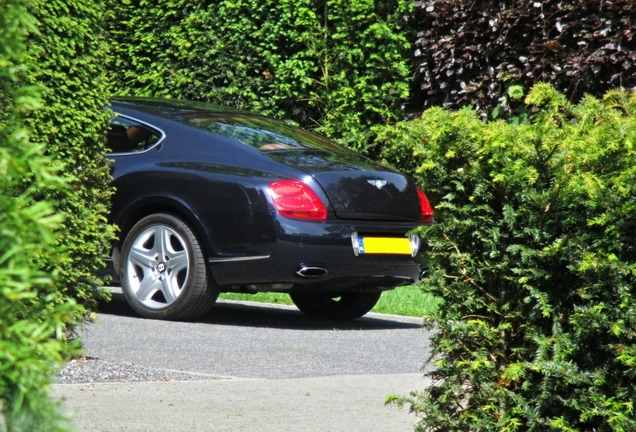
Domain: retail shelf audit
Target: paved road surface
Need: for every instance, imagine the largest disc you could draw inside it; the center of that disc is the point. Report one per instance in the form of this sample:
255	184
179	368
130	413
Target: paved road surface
267	368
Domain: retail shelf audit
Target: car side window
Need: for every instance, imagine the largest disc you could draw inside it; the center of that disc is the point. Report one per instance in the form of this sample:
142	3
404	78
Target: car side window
129	136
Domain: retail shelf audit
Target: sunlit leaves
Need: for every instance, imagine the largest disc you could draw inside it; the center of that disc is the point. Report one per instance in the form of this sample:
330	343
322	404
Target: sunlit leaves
66	58
339	67
33	314
533	256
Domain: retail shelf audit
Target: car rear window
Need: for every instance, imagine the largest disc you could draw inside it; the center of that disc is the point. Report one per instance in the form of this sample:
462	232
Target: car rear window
263	133
126	135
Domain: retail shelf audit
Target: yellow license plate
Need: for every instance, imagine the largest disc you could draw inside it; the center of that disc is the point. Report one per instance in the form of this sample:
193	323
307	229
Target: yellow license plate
384	245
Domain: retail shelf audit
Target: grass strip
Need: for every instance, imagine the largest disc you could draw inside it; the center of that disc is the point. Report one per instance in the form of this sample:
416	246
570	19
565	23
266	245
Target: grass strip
407	300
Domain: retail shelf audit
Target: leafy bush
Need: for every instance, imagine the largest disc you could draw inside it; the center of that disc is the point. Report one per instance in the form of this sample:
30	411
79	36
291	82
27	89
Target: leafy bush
469	52
338	66
66	59
535	261
33	313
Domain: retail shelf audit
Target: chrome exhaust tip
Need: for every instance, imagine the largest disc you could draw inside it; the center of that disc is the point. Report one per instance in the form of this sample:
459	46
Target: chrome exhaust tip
424	273
311	272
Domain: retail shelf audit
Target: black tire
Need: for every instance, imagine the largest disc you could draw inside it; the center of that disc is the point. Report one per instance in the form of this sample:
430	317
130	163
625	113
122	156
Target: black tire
339	306
166	279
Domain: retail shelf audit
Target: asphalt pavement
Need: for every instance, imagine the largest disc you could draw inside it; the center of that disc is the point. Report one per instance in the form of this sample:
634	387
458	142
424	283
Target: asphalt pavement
262	368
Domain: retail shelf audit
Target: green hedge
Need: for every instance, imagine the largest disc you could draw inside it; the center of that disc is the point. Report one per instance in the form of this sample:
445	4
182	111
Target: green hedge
66	60
534	258
33	314
338	66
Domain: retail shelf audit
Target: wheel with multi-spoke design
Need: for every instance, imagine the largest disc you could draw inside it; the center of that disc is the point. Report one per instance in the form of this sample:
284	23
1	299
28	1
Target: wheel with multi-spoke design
163	271
341	306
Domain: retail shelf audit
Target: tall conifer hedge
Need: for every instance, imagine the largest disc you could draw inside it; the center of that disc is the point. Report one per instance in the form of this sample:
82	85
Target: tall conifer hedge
67	54
337	66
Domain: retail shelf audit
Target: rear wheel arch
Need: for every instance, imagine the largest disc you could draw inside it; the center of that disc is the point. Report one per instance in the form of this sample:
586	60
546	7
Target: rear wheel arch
173	207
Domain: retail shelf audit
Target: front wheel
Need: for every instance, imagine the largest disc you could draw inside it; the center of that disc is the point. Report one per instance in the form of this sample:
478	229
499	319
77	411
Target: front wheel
163	270
340	306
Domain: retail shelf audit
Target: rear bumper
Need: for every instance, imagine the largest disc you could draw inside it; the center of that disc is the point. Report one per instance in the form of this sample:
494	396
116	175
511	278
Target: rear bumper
338	276
318	246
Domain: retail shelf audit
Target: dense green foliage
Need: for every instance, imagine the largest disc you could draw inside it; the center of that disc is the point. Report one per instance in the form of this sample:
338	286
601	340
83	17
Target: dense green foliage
338	66
66	59
535	261
469	52
342	66
33	314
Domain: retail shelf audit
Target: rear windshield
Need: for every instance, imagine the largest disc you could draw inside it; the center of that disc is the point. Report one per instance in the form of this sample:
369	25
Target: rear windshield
263	133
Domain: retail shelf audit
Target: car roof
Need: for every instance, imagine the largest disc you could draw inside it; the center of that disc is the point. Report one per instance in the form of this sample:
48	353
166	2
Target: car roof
255	130
173	109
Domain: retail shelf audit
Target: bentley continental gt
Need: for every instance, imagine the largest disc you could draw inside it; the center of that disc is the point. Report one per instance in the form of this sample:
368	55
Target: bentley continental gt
211	199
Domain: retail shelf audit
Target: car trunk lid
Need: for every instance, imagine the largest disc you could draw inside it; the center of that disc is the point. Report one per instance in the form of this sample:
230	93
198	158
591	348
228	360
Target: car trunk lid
356	187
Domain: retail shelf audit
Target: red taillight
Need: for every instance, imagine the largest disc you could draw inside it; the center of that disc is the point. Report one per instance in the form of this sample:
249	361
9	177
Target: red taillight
294	199
425	208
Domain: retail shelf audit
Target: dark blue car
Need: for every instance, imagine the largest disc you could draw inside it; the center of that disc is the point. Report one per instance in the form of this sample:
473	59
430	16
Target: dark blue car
210	199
